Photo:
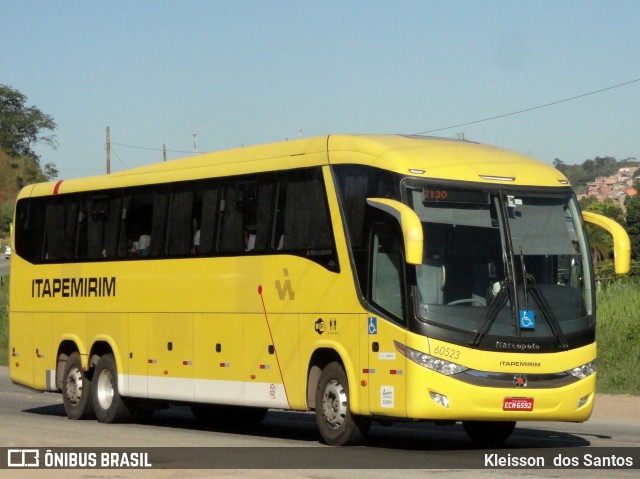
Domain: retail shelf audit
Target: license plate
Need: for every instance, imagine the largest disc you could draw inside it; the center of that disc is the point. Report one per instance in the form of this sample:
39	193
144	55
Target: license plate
517	404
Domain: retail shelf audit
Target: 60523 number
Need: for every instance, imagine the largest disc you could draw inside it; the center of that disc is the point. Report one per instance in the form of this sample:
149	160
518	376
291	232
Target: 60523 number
447	352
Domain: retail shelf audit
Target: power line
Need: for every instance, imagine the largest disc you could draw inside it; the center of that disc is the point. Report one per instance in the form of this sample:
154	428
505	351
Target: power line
150	149
532	108
118	156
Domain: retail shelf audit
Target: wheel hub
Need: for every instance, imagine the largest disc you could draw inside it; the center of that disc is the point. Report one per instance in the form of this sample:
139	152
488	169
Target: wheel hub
74	386
105	389
334	404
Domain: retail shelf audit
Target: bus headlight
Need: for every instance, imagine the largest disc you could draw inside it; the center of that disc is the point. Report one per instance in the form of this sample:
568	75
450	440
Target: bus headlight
430	362
585	370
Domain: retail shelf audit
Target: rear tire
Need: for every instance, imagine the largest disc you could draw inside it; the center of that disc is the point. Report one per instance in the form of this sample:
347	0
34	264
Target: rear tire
337	425
489	432
76	389
108	405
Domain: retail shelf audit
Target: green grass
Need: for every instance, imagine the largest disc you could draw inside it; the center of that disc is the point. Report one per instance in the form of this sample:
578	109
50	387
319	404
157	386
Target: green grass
618	334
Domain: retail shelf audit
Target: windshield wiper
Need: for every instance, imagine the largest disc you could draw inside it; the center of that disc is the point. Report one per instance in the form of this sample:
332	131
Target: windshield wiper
529	282
491	313
525	280
547	312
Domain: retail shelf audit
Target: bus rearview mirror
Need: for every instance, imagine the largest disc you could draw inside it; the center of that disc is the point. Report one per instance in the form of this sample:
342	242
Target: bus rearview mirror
409	223
621	242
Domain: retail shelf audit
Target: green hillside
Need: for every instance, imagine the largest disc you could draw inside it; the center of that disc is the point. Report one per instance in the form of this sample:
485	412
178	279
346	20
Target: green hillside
14	174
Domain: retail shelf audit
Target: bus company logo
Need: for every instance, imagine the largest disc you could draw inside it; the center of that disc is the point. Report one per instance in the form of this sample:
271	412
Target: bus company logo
23	458
86	287
320	326
285	290
520	380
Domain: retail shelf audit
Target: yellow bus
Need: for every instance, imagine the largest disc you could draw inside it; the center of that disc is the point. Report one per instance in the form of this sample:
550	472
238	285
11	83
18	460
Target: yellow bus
365	277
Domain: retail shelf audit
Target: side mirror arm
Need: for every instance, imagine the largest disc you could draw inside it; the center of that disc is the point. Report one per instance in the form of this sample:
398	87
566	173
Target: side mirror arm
409	223
621	242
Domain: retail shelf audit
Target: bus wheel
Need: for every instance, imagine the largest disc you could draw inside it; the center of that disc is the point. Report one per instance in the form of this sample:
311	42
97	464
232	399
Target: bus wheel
109	406
489	432
337	425
76	389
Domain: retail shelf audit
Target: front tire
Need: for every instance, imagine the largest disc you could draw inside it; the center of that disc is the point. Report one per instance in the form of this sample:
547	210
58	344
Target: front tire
76	389
108	405
489	432
337	425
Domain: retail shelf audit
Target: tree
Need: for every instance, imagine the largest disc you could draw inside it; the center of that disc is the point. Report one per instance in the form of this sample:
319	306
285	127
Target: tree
21	126
601	242
633	225
50	171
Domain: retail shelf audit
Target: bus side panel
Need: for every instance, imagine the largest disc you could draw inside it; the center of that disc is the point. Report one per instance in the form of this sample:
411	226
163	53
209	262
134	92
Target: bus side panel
219	358
387	368
340	333
21	350
112	328
45	356
71	326
265	356
136	381
170	356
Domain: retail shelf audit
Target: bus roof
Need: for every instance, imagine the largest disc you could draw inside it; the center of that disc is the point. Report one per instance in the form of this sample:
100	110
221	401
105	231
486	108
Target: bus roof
418	156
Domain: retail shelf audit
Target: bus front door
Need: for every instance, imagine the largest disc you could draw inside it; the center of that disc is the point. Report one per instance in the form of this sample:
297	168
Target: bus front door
387	372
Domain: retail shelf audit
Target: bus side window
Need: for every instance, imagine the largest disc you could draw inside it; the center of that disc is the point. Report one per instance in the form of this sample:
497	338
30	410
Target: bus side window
208	216
386	271
91	226
59	230
302	214
264	212
29	232
246	214
158	223
111	226
231	236
179	238
70	226
135	225
54	231
96	226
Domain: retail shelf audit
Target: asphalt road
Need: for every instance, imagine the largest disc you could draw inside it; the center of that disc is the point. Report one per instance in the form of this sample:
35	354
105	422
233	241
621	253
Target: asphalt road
284	439
4	265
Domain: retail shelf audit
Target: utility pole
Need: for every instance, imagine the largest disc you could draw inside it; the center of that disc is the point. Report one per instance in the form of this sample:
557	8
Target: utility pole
164	152
108	151
195	144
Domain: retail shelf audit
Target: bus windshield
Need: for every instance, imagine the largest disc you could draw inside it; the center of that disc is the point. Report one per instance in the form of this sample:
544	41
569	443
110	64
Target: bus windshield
502	265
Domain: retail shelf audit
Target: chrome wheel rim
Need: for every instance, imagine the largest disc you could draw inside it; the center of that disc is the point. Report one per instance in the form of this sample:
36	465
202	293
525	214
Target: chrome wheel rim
105	389
334	404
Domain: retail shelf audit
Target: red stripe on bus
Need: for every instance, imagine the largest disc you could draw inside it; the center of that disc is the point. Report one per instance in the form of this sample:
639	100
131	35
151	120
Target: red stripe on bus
57	187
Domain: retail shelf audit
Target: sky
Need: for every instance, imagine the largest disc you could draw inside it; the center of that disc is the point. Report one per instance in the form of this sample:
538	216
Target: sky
243	72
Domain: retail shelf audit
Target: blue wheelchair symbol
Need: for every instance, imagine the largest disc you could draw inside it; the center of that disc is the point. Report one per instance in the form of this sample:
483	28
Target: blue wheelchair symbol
527	319
373	325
